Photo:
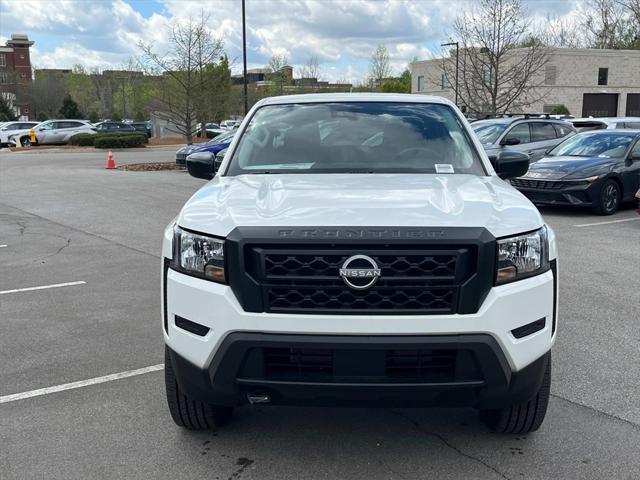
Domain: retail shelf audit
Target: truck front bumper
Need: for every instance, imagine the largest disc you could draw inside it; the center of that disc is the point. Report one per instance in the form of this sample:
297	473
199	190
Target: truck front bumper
488	359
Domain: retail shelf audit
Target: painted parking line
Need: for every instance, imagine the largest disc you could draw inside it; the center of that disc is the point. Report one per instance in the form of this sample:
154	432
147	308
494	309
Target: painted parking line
79	384
608	222
43	287
2	246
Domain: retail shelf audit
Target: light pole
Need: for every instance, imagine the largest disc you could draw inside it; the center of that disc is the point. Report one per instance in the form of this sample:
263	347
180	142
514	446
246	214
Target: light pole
244	60
451	44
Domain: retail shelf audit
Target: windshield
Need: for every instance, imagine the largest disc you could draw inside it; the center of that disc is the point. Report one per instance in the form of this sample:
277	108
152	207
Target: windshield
223	138
359	137
488	132
592	144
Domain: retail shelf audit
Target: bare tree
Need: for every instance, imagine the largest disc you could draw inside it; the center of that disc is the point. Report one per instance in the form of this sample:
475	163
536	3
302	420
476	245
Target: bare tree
633	7
562	34
379	65
501	62
276	71
604	23
311	69
192	48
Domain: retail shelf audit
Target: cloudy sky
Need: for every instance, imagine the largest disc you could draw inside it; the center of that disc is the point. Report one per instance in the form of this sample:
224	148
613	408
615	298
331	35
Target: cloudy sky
342	33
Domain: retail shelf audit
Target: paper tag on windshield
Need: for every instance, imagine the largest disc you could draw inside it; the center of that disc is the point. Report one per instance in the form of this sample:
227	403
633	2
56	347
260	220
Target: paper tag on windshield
444	168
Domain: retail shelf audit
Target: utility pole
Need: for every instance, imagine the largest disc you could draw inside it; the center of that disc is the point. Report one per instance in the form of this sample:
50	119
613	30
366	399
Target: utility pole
124	109
451	44
244	60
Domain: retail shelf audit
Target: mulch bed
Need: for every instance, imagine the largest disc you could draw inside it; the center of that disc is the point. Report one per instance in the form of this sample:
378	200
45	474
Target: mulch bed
151	167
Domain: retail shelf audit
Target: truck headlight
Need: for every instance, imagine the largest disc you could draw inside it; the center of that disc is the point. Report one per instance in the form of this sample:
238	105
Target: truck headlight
522	256
198	255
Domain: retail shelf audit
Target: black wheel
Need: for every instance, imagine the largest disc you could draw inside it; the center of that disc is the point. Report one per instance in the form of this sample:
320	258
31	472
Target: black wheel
25	142
609	198
187	412
524	417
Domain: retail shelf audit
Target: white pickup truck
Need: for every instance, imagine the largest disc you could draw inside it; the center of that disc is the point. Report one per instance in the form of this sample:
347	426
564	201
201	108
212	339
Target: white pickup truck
359	249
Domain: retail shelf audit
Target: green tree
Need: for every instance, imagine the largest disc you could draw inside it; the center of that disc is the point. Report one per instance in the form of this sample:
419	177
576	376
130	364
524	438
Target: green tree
93	116
70	108
560	110
116	117
139	117
401	84
41	117
80	87
6	112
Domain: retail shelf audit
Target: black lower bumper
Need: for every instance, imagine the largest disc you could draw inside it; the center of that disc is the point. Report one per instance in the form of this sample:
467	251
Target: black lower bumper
452	370
583	196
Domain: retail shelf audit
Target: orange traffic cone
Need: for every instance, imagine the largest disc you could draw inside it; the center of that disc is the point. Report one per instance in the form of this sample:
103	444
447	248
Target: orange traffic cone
111	163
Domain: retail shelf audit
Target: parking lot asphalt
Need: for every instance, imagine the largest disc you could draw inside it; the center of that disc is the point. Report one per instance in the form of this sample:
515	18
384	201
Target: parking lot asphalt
66	220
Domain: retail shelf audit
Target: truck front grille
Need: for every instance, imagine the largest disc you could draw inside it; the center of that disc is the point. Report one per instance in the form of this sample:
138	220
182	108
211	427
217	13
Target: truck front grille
412	280
348	365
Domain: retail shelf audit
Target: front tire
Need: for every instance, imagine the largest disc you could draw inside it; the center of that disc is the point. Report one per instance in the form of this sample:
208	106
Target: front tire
524	417
609	198
187	412
25	141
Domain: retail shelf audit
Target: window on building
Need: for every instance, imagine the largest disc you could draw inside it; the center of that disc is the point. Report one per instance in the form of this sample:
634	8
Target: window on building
420	83
550	74
603	76
486	77
445	82
3	77
3	60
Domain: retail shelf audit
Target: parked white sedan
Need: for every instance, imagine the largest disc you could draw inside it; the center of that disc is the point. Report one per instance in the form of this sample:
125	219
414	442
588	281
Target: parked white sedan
8	129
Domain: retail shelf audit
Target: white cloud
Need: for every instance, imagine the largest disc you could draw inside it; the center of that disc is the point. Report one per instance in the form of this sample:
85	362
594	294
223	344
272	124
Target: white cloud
342	34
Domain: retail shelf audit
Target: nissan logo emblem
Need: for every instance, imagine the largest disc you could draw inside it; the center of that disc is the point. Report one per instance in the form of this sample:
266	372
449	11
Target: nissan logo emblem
360	272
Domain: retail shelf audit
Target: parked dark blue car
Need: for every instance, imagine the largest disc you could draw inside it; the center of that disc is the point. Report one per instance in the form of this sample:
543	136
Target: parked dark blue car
599	169
214	146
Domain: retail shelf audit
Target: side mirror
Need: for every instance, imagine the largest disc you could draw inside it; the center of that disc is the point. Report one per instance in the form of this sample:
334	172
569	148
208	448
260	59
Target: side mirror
200	165
510	164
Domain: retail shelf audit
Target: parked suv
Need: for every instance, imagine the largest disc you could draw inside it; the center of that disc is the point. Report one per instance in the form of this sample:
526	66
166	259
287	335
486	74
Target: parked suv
359	249
115	127
533	136
8	129
55	132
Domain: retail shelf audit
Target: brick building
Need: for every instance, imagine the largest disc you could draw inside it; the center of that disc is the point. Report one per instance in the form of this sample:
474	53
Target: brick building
15	74
589	82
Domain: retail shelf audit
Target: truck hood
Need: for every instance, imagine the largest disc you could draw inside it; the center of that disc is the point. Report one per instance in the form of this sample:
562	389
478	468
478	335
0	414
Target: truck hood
366	200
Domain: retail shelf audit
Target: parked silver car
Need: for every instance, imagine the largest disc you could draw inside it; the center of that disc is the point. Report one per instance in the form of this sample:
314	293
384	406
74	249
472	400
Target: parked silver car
533	136
8	129
55	132
605	123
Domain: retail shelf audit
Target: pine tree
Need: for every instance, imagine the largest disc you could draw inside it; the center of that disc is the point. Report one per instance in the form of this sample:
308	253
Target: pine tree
70	108
6	112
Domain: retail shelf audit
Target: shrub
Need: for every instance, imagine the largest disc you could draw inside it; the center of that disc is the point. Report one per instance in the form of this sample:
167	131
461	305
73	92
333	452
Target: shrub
128	140
560	110
82	139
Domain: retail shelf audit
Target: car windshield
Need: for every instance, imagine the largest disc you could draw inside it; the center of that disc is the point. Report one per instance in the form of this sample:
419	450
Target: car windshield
488	132
594	144
223	138
355	137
